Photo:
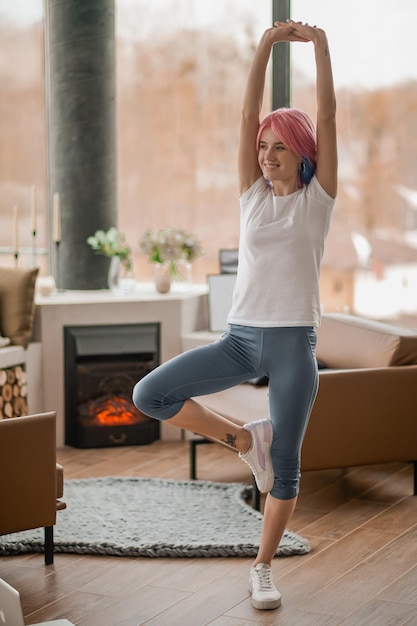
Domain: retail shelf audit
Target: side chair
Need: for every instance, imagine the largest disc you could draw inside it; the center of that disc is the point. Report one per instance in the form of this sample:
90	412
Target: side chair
31	481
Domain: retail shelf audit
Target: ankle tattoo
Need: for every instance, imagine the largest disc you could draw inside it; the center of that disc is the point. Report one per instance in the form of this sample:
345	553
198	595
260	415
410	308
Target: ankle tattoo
230	440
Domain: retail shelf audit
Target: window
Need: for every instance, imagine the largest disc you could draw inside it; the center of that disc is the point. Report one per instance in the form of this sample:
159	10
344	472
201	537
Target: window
181	71
22	127
370	262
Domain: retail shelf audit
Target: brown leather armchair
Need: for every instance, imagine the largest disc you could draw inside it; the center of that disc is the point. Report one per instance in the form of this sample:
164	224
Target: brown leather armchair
30	479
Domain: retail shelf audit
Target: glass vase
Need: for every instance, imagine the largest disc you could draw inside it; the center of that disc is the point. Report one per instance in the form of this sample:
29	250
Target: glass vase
162	277
120	279
114	274
184	273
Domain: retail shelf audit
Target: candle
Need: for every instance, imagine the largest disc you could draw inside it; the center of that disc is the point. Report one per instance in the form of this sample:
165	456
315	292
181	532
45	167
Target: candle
33	209
15	231
57	218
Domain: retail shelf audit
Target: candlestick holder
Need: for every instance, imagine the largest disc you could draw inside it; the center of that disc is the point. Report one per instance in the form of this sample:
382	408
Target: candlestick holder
58	266
34	251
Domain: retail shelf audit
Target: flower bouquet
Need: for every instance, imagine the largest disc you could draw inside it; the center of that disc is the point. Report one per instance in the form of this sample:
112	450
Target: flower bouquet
170	247
112	244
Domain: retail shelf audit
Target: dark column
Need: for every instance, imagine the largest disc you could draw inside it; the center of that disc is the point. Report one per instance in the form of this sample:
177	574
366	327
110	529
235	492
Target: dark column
81	131
281	68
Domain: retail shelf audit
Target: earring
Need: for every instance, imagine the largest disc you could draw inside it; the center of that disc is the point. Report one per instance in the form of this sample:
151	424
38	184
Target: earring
302	167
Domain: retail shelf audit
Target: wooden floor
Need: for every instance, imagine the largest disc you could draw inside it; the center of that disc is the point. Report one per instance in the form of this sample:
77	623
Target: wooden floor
362	570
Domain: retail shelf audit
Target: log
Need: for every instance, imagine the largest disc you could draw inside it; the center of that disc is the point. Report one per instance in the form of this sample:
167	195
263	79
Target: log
11	376
20	407
7	392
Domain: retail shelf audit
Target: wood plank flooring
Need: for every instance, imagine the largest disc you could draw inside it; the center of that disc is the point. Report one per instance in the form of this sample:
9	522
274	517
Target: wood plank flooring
362	570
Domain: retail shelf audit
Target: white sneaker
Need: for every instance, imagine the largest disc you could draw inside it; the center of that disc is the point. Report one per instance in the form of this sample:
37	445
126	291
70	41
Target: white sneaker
258	457
264	593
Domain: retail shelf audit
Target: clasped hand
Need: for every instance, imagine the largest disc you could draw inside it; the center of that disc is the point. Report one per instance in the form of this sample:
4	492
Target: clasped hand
295	31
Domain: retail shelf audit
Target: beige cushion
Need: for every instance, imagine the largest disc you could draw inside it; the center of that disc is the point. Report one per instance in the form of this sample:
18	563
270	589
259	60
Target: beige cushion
346	341
17	303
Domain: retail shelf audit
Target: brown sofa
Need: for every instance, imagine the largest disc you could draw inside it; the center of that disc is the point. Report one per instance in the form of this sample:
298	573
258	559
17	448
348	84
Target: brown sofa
366	408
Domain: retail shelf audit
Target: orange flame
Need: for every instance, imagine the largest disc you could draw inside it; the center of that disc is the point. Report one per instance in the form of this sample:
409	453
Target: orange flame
115	411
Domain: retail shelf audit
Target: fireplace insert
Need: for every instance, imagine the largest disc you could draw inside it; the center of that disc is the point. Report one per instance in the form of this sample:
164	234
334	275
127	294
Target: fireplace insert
102	365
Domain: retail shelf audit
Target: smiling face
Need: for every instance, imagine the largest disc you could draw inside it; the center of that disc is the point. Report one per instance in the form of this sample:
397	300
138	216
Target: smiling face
278	163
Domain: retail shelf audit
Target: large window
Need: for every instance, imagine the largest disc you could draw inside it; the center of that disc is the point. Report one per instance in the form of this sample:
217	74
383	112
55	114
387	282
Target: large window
22	127
370	263
181	71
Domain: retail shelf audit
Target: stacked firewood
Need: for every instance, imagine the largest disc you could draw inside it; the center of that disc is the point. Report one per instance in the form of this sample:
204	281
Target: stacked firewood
13	392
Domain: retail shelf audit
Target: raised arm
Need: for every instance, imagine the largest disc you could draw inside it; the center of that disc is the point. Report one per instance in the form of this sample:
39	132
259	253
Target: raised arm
248	167
326	169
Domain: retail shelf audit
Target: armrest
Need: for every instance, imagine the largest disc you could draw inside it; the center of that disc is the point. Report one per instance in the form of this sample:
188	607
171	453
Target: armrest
240	404
60	506
59	481
361	417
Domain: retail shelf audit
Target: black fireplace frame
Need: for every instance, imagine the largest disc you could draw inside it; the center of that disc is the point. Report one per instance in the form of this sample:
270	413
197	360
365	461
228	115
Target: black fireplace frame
127	340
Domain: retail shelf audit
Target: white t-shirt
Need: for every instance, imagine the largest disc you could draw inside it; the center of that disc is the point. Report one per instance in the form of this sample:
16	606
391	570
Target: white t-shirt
281	245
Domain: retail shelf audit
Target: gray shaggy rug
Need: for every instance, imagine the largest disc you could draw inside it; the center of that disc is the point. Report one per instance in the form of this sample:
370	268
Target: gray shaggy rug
151	517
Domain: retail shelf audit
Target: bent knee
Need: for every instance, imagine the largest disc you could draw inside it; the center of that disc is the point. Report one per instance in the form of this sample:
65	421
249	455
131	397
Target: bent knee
141	398
152	402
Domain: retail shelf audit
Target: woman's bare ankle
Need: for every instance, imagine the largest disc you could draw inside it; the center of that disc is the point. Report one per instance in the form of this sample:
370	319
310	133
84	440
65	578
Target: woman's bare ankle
247	440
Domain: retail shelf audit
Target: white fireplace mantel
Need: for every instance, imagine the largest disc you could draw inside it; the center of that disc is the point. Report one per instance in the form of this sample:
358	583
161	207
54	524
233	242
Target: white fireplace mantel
182	311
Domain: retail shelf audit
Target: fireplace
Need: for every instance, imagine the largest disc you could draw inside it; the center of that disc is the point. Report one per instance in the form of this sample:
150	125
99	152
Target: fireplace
102	365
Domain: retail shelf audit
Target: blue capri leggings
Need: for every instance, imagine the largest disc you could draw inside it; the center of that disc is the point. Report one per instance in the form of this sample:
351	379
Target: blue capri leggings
285	354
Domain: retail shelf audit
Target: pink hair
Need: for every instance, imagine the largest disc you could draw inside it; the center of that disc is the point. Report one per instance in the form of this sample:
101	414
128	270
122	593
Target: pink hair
297	132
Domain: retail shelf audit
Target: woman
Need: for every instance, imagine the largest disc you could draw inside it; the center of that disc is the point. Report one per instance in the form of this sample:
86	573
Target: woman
287	183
